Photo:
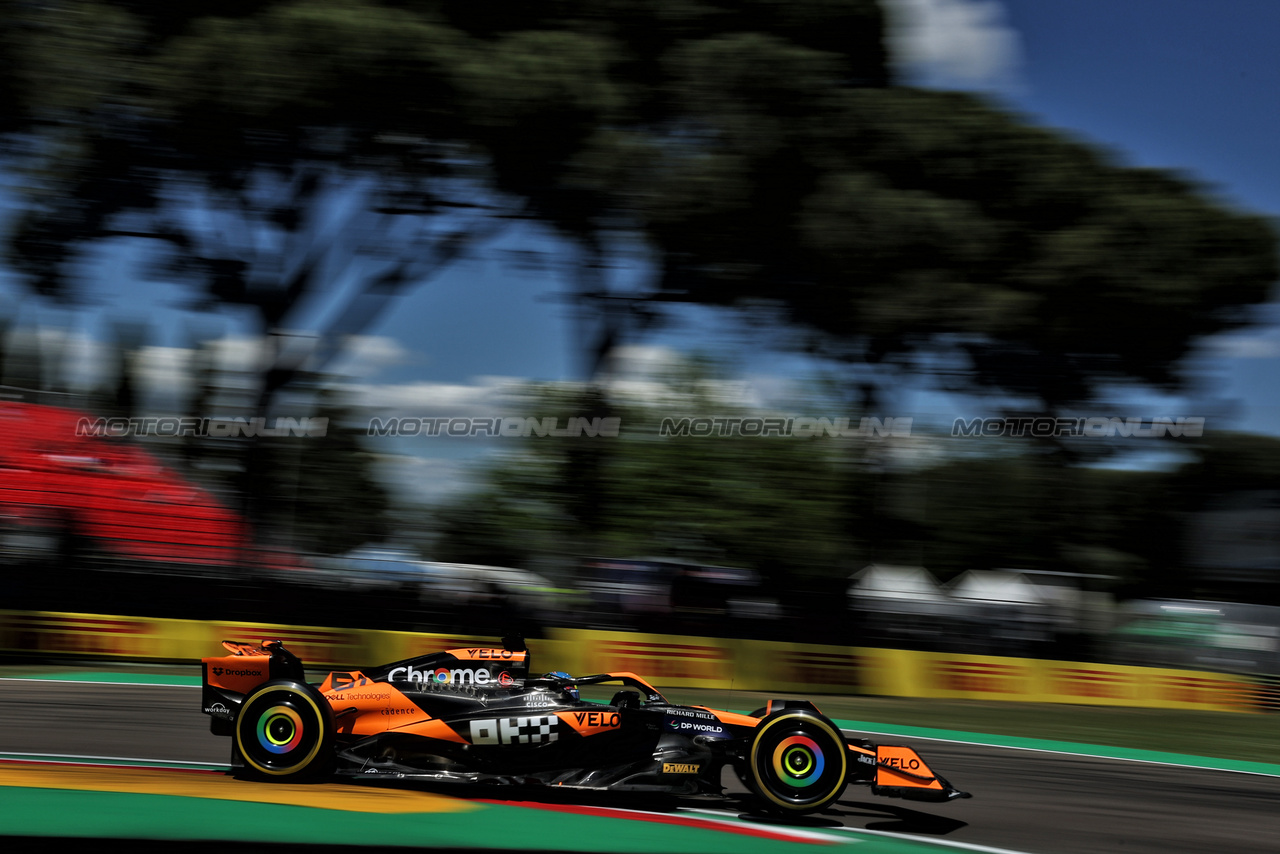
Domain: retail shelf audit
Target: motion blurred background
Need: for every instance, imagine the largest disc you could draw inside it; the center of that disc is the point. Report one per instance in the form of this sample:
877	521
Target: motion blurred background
439	224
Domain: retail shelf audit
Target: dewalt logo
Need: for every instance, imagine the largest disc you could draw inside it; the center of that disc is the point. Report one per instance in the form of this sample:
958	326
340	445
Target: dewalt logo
679	768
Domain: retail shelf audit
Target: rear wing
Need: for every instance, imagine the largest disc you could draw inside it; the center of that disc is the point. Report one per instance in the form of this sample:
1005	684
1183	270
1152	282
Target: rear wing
227	679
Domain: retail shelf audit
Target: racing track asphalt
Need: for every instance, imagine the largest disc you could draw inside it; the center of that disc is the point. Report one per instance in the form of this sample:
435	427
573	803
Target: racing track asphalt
1042	803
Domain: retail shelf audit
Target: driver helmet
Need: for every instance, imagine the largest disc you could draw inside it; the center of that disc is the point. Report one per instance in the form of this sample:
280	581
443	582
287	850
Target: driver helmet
571	690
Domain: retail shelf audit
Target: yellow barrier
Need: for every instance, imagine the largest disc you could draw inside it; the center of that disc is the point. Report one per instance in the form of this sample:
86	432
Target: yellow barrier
670	661
904	673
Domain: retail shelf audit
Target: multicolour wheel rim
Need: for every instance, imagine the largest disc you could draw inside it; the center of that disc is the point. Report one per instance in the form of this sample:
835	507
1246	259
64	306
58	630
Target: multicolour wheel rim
798	761
279	729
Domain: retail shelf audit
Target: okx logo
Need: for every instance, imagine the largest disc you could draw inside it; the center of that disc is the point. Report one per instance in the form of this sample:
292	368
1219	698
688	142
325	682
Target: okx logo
535	729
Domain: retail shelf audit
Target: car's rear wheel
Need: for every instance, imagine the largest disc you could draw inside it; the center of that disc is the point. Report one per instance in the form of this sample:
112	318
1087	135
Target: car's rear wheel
285	731
797	762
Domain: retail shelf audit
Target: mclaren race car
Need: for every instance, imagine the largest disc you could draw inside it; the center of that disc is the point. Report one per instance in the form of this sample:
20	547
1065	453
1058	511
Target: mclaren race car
476	716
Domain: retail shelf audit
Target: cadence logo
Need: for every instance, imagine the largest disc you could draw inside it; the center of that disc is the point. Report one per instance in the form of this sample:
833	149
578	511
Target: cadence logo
445	676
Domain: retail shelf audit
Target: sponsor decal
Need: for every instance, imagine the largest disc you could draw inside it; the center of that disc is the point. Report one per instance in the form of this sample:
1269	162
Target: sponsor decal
691	713
343	681
540	699
907	764
679	768
377	696
534	729
504	654
711	730
218	710
606	720
504	678
228	671
393	712
899	760
445	675
866	760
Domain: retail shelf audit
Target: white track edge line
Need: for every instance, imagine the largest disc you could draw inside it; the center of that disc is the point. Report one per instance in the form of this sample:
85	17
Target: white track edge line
8	753
928	840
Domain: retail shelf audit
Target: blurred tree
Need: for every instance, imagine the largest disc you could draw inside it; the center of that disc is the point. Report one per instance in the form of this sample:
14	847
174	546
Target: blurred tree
1229	463
281	150
278	147
320	493
774	504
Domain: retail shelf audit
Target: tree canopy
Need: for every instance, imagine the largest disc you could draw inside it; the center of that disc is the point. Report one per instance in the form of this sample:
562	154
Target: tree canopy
761	151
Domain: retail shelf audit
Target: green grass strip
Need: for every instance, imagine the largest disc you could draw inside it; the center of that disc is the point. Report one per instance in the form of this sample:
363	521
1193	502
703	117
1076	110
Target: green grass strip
108	815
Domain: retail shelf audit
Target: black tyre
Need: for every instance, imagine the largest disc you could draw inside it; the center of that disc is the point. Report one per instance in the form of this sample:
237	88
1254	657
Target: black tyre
797	762
285	731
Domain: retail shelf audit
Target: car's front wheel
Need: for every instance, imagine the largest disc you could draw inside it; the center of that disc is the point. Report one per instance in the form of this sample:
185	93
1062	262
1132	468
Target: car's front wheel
285	731
797	762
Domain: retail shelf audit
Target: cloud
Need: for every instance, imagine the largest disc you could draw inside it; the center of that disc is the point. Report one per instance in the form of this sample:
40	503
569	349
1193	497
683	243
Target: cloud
1245	347
954	44
366	355
482	398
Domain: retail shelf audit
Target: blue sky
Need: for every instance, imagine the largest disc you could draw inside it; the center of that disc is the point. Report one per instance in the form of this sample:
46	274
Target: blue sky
1189	85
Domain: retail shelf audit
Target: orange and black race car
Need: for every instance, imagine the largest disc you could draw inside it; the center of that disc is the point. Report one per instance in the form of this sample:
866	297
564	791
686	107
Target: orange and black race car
475	715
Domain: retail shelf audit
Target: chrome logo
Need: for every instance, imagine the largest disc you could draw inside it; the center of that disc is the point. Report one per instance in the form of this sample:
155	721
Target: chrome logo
798	761
279	729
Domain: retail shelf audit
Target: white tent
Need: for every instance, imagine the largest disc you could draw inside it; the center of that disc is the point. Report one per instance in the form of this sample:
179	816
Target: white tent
895	587
995	587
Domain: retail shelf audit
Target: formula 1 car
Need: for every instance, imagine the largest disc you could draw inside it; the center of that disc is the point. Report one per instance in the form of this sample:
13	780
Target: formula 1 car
476	716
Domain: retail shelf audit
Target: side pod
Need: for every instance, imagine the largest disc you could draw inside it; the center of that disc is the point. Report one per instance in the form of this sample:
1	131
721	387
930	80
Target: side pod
902	773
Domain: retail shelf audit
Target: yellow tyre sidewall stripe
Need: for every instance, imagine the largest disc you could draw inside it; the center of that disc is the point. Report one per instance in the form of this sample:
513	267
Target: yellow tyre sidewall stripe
321	717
